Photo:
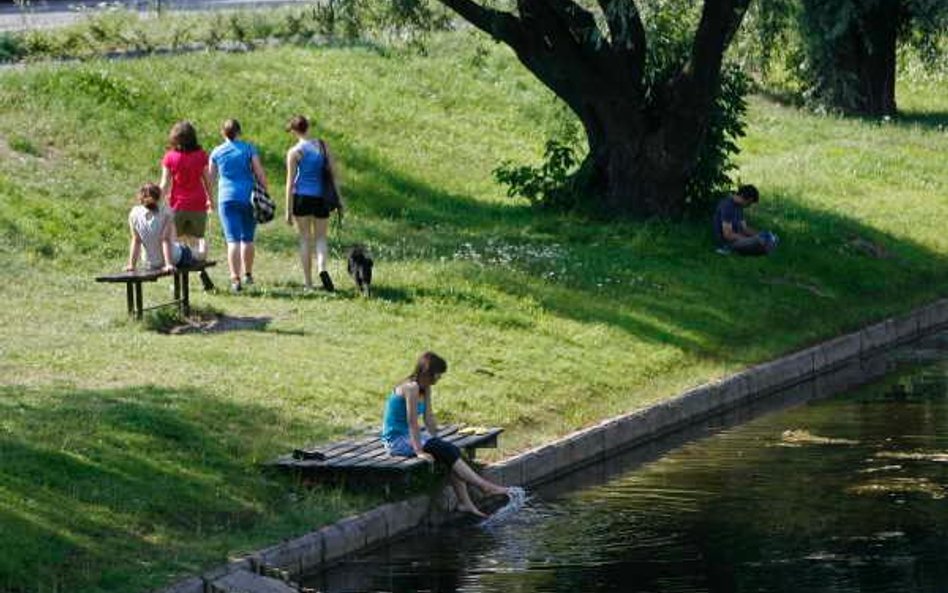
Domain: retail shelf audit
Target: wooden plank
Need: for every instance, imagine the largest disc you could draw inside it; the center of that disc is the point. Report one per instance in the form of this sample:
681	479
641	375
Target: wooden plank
369	454
136	276
152	275
354	458
328	450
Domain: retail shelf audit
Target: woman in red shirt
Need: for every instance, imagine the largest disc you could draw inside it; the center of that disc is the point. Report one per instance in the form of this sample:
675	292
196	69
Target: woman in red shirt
186	184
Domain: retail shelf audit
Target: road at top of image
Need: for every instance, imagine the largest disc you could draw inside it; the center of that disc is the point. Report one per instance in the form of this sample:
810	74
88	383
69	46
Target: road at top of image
15	16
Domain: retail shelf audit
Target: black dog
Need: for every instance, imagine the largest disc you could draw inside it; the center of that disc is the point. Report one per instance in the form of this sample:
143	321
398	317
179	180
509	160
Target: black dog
360	268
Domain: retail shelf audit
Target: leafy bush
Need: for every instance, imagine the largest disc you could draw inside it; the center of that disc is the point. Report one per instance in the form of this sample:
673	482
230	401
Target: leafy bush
11	47
712	175
25	146
547	185
110	29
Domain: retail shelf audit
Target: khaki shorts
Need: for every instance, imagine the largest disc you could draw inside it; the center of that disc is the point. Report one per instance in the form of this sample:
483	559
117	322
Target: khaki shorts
190	224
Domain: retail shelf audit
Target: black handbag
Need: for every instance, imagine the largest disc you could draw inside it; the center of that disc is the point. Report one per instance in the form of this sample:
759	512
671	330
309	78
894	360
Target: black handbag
264	208
331	190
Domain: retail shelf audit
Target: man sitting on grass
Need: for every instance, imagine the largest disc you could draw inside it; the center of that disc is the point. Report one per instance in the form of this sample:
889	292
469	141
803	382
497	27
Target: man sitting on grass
731	232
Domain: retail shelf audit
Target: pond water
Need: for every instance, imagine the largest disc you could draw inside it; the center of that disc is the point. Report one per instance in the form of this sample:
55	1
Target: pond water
832	495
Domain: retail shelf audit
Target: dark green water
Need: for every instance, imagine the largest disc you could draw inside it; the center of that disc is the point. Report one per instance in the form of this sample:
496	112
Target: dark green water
836	495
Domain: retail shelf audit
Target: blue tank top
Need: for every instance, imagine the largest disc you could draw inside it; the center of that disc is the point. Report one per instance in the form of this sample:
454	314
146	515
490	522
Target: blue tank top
395	420
309	171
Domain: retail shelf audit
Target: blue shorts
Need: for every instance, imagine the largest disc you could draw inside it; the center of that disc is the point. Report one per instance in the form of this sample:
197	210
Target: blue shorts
401	446
442	451
237	221
187	257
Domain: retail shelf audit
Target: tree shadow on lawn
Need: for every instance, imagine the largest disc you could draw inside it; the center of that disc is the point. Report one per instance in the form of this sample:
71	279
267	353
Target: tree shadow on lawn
97	484
662	282
829	274
931	120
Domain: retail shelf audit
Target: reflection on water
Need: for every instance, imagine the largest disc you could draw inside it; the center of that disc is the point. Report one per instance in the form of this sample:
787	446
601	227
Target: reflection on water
836	495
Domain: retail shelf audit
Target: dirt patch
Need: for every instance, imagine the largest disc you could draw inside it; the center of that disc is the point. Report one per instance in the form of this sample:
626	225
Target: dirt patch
809	287
220	323
868	248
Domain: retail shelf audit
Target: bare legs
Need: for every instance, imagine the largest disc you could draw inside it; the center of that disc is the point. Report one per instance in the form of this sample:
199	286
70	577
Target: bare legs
305	226
461	476
240	259
246	256
313	232
322	244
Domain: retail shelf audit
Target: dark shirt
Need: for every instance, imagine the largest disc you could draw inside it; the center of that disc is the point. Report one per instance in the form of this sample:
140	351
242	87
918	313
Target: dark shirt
727	211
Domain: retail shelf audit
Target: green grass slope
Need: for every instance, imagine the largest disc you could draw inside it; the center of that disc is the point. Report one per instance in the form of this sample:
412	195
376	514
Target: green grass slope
129	458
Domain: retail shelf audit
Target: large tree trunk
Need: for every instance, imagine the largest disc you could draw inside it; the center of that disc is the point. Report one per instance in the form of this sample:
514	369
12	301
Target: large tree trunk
636	164
857	70
644	142
876	68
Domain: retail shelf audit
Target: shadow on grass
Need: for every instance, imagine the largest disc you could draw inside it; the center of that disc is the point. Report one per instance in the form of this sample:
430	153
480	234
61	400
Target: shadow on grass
931	120
162	478
937	120
661	282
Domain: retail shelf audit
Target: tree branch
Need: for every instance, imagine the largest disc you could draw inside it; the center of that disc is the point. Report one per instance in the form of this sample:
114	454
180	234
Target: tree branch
502	26
720	20
627	33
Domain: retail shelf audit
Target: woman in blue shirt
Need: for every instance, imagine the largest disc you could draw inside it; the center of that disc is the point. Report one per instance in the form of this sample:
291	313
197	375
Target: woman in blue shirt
236	164
403	437
306	164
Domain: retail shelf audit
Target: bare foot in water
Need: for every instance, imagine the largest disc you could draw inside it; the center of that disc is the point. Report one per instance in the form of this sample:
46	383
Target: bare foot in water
472	509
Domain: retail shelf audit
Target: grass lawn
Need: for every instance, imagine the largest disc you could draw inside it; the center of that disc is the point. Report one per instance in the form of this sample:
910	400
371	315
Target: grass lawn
129	458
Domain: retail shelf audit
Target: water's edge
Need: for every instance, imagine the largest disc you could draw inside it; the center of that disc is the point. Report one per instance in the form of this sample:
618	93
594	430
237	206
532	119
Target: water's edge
808	369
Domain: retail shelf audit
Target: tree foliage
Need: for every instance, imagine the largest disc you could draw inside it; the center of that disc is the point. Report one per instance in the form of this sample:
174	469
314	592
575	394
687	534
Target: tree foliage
846	57
645	79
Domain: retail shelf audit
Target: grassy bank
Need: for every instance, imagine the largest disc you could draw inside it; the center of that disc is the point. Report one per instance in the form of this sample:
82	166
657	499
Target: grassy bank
128	458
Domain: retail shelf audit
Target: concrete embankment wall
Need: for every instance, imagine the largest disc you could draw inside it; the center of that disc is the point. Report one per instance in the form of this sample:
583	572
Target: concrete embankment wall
582	448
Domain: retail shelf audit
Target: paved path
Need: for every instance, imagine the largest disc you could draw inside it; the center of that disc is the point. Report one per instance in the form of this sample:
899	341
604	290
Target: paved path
55	13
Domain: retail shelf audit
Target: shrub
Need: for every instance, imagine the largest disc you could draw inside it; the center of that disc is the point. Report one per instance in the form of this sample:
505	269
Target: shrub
11	47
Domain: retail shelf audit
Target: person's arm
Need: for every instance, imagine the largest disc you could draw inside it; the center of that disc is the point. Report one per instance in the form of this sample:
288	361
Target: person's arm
165	183
728	232
430	423
211	180
259	173
134	248
167	235
292	164
208	183
414	434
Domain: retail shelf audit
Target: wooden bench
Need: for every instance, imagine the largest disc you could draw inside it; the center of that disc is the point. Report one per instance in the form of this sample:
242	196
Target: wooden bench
133	286
367	456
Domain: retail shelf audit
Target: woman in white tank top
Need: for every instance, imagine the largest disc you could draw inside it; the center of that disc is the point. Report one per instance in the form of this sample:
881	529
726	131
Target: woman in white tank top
152	227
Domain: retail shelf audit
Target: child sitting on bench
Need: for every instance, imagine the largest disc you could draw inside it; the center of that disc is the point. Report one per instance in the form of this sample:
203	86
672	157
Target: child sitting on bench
152	227
403	437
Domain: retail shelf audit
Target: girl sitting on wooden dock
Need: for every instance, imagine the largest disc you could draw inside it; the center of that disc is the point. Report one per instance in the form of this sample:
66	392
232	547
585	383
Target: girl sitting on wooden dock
402	435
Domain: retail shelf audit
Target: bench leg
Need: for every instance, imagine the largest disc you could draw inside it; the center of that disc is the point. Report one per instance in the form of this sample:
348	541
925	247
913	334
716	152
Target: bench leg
130	298
177	286
185	295
139	301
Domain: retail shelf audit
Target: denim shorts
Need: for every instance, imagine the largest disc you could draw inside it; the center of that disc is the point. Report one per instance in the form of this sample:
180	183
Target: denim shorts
186	259
237	221
401	446
441	450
